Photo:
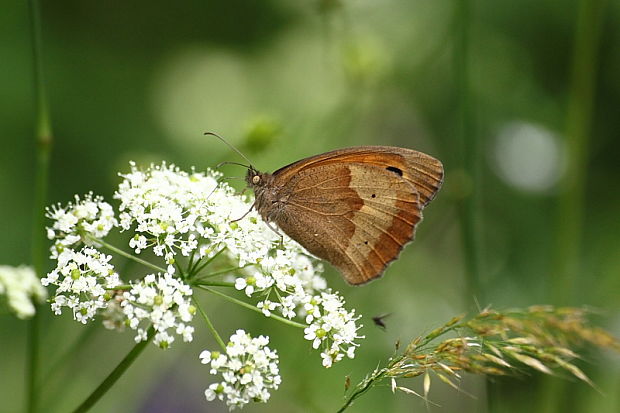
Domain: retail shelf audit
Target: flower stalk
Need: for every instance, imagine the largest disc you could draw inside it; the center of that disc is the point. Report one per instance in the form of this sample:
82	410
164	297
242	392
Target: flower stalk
115	374
251	307
43	137
216	335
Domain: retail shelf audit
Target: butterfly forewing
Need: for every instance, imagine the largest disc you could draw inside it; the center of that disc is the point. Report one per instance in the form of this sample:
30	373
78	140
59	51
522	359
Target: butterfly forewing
424	172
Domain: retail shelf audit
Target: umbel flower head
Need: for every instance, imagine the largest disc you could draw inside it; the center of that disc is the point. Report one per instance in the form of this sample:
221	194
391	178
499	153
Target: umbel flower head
332	327
72	224
163	302
249	370
83	279
20	287
186	222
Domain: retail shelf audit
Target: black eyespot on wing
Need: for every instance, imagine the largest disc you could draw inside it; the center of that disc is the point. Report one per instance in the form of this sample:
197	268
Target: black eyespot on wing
396	170
373	196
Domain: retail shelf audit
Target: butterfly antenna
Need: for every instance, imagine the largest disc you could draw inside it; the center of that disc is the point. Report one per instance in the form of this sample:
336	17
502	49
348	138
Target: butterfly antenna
230	146
231	163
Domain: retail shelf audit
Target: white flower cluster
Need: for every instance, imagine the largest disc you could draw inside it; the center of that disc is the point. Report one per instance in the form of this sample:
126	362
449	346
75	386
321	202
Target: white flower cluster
85	280
195	214
169	209
89	216
331	327
21	286
163	302
249	370
177	214
289	271
175	211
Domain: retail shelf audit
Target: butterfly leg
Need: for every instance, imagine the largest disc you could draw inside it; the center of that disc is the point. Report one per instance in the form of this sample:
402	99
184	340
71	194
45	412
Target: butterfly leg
271	227
244	215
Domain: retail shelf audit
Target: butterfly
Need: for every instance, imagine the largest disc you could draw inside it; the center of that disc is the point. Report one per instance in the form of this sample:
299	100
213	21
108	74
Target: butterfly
354	207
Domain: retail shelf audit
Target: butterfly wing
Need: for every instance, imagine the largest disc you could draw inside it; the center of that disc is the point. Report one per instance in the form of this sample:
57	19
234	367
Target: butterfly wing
422	171
356	207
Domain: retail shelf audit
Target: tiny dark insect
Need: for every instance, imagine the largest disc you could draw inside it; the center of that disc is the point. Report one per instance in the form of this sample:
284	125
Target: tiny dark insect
378	320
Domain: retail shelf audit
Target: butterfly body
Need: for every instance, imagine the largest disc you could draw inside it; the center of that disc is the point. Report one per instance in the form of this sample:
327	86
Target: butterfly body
354	207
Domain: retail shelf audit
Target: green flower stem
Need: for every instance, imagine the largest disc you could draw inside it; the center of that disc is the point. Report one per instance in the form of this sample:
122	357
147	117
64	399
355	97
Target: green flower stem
470	150
179	270
214	283
198	267
66	358
210	325
190	262
227	270
571	200
251	307
53	383
578	132
377	376
33	363
115	374
121	287
127	255
44	140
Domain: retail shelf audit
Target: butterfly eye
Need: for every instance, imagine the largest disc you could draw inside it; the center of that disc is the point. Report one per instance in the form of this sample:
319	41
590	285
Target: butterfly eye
255	179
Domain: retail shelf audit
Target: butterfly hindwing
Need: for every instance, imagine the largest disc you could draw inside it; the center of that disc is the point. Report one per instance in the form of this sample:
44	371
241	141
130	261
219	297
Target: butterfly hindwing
358	216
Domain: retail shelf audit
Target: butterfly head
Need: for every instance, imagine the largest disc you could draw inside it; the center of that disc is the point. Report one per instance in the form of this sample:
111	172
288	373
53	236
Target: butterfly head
264	191
256	179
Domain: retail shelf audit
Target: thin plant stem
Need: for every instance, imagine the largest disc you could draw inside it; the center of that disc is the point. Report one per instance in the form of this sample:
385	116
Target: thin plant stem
571	201
214	283
33	363
210	326
124	287
179	269
198	267
190	262
62	361
379	375
251	307
578	129
471	159
469	208
55	377
116	374
127	255
43	137
220	272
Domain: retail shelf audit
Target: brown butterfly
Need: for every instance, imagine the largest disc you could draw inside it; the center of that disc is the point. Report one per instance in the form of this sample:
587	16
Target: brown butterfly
354	207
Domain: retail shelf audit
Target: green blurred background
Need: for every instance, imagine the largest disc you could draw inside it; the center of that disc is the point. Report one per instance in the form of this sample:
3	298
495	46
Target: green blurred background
519	99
